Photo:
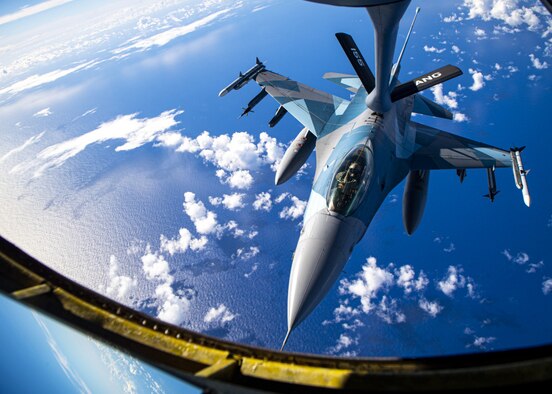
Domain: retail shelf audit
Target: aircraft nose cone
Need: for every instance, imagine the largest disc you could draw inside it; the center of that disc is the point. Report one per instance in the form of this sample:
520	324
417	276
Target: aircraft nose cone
323	249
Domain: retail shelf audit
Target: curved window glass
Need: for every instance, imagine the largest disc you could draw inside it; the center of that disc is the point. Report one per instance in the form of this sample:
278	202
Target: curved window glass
351	181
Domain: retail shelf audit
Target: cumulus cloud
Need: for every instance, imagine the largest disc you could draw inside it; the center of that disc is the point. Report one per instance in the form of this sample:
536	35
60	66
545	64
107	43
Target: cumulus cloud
460	117
234	156
432	308
482	342
507	11
522	258
455	49
478	80
547	286
119	286
371	280
43	113
449	99
263	202
172	306
344	342
432	49
205	221
239	179
388	311
293	211
479	33
182	242
219	316
537	63
232	202
455	280
134	131
247	253
406	278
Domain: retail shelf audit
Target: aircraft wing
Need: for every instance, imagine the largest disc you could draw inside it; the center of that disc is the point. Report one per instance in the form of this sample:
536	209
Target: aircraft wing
312	108
437	149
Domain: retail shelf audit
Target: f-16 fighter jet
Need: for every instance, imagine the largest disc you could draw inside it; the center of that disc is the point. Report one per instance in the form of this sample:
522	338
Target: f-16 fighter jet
365	147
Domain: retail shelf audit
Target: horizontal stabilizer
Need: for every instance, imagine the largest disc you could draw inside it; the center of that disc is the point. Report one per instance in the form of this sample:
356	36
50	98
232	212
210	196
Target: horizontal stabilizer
357	61
424	82
425	106
350	82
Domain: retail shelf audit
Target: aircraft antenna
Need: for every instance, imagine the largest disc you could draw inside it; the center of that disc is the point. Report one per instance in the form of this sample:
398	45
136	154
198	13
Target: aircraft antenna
397	66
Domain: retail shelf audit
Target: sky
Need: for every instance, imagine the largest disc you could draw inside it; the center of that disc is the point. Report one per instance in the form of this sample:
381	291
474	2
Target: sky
117	150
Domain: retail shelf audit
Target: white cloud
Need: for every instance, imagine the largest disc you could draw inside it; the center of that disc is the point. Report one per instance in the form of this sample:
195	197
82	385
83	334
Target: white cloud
220	315
233	201
453	281
32	140
204	221
155	267
240	179
367	284
294	211
455	49
432	49
167	36
406	278
449	99
478	80
547	286
172	306
247	253
389	312
520	258
432	308
43	113
343	342
234	156
450	248
537	63
182	243
133	130
263	202
506	11
119	286
281	198
460	117
31	10
480	33
37	80
482	342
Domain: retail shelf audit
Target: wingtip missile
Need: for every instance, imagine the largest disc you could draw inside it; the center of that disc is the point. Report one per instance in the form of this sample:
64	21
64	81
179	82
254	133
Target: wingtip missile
520	175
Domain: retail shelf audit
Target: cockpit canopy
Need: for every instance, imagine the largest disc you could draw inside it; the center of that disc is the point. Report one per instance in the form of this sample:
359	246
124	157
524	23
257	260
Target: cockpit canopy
351	180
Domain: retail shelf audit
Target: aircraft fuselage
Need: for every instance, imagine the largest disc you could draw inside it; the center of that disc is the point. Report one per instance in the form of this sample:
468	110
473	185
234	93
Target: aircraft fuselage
366	163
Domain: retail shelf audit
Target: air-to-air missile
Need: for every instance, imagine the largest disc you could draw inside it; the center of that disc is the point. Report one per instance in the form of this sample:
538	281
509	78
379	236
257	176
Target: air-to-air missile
244	78
520	174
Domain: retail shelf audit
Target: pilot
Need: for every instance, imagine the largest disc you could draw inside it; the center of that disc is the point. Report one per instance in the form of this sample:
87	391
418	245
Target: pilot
347	185
349	179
